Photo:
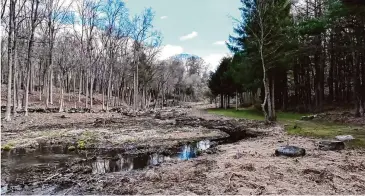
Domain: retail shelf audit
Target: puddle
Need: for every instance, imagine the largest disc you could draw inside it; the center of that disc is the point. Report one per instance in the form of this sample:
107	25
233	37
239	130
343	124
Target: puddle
19	166
128	163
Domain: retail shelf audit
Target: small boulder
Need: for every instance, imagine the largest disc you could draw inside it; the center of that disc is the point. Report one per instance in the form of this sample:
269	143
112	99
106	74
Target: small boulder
290	151
310	117
71	148
331	145
344	138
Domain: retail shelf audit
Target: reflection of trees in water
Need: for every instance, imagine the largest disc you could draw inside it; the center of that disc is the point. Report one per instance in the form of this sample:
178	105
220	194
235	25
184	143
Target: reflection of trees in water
156	159
203	145
100	166
124	163
114	165
127	163
189	151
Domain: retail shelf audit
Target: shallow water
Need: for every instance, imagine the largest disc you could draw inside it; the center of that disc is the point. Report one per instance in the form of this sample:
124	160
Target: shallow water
130	162
19	164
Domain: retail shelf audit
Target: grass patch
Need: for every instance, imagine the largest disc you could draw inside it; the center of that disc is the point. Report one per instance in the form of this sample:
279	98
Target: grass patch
327	131
7	146
254	114
81	144
241	113
295	126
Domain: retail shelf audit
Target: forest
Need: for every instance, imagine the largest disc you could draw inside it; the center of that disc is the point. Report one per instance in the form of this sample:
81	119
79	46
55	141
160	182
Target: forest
304	56
89	49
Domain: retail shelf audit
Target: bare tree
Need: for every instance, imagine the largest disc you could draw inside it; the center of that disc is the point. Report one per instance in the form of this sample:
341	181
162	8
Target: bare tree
11	40
34	21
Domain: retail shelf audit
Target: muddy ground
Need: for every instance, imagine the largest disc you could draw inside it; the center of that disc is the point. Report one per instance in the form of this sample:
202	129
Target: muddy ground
246	166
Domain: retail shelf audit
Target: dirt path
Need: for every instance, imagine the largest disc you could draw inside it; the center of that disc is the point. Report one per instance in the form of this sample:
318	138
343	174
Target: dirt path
244	167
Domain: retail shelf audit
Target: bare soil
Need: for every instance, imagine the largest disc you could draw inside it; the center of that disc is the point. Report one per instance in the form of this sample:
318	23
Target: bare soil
244	167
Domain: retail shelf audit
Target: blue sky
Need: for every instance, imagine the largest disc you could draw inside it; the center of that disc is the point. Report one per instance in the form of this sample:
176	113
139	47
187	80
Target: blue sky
197	27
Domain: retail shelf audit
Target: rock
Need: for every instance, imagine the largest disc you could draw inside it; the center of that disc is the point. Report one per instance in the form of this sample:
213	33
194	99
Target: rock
79	110
290	151
331	145
71	148
344	138
310	117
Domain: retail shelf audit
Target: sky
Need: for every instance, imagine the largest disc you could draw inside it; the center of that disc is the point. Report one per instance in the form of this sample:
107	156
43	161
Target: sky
198	27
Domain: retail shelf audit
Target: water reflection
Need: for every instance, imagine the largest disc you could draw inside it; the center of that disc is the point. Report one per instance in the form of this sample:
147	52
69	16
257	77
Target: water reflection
192	150
128	163
18	163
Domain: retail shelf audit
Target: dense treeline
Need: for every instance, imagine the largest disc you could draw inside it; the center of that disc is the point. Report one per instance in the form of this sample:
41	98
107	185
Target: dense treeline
303	56
89	48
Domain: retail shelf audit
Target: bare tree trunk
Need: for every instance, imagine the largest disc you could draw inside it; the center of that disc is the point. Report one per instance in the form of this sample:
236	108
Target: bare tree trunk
149	100
31	84
109	88
103	98
80	85
34	10
15	80
27	93
51	85
69	76
103	87
266	85
18	90
130	96
46	86
136	88
118	96
91	90
39	82
123	91
236	100
10	56
273	117
143	102
61	99
134	91
269	102
74	85
87	89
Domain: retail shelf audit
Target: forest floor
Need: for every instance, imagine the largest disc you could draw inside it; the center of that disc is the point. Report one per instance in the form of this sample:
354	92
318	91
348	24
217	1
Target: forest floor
86	154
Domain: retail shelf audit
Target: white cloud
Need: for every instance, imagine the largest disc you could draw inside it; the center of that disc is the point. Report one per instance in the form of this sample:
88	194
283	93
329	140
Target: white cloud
189	36
169	51
219	43
213	60
163	17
